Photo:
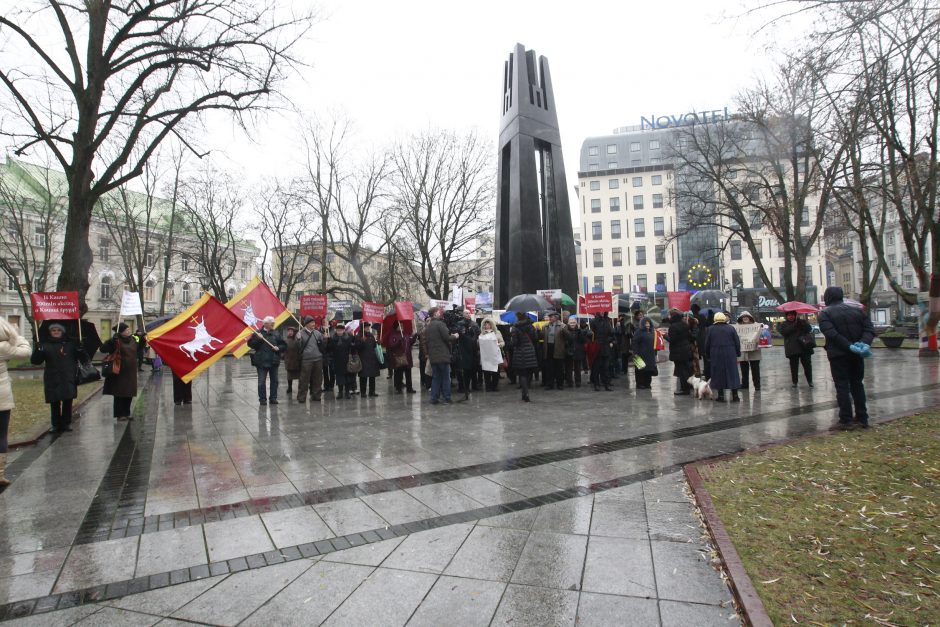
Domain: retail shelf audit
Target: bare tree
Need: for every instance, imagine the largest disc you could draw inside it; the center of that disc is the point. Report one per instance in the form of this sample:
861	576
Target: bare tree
768	168
287	230
445	198
171	228
32	216
210	205
118	78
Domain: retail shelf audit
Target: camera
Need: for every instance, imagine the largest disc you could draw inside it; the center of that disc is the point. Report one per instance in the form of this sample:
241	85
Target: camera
455	321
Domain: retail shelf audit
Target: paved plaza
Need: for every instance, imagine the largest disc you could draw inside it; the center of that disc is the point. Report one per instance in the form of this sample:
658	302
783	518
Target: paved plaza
390	511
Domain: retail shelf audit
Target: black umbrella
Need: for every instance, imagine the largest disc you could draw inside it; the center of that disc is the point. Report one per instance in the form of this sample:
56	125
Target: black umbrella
625	304
153	324
90	339
527	302
712	298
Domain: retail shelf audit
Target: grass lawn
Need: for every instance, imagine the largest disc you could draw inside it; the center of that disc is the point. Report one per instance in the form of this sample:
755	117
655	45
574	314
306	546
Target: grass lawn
842	528
31	414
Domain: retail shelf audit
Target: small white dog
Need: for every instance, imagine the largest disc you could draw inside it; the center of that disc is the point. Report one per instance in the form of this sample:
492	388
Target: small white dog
701	387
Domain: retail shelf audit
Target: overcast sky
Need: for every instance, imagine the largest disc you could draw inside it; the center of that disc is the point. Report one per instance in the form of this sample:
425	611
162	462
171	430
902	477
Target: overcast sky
399	67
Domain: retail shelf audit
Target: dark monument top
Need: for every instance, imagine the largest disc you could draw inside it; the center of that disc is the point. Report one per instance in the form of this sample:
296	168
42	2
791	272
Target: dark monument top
534	241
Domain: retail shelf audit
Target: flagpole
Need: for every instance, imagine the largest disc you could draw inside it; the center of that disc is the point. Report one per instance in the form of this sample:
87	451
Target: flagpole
255	331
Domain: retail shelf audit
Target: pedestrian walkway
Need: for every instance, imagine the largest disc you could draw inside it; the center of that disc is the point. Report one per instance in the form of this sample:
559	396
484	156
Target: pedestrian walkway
390	510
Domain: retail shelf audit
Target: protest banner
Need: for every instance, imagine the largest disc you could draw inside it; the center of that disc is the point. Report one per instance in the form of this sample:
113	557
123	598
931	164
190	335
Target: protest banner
679	300
404	310
598	302
313	305
55	305
372	312
130	304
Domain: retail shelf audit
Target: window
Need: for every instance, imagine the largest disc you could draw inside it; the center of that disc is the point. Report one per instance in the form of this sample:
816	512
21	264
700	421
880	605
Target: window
660	281
599	283
330	257
595	205
615	203
908	281
639	228
243	271
186	295
595	186
660	253
39	285
783	276
618	284
592	151
737	278
596	230
804	216
755	277
638	181
104	288
598	258
184	263
104	248
634	163
634	146
890	239
39	236
780	251
170	290
735	249
759	246
615	229
617	257
641	255
654	144
808	271
656	179
641	282
892	261
655	161
657	201
637	202
611	165
592	167
659	226
611	149
613	184
315	276
150	291
149	258
12	282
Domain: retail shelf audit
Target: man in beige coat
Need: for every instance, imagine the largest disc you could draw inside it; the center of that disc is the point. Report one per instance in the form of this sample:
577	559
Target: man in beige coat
12	346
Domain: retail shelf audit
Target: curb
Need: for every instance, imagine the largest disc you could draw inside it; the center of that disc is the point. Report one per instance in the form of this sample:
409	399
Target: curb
45	432
745	595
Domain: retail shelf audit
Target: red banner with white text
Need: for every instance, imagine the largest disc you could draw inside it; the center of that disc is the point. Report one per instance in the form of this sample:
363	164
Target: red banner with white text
55	305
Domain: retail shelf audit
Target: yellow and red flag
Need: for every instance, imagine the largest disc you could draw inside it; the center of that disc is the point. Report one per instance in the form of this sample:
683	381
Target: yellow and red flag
198	337
255	302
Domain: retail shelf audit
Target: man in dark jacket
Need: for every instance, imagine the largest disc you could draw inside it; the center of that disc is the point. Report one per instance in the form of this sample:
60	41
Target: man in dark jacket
844	325
680	351
268	346
604	336
438	340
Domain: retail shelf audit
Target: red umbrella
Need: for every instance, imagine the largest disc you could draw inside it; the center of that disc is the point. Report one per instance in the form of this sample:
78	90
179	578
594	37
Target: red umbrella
798	307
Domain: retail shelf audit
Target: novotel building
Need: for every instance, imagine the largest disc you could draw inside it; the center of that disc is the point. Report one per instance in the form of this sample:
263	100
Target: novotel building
628	215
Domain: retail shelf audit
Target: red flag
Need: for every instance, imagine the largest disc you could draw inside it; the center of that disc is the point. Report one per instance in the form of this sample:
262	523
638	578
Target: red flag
55	305
372	312
252	305
679	300
404	310
470	304
198	337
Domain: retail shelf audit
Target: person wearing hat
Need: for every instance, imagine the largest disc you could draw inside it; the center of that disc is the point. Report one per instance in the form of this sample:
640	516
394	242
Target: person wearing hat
554	347
723	348
365	345
844	326
292	358
268	346
12	346
60	356
122	385
749	331
340	346
310	347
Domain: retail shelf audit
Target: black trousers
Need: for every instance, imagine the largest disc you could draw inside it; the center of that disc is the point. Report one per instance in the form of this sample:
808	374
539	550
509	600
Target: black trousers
364	382
754	368
490	380
847	374
643	379
403	374
807	360
61	413
4	427
683	370
122	406
600	370
573	371
182	392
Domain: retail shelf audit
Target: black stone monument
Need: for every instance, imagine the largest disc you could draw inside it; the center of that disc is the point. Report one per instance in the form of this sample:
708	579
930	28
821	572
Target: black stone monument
534	243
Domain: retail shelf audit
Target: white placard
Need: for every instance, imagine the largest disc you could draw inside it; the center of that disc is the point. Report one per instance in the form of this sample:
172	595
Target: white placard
456	297
130	304
490	355
550	294
442	304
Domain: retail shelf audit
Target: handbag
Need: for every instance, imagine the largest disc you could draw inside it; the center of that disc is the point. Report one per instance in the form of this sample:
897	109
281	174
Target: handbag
85	372
353	364
379	354
807	341
111	364
399	360
638	362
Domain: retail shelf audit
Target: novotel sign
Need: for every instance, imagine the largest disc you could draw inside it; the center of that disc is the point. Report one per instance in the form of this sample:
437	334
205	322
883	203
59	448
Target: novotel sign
684	119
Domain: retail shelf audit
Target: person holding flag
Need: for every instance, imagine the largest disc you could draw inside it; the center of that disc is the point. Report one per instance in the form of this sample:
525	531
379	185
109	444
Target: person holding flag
268	346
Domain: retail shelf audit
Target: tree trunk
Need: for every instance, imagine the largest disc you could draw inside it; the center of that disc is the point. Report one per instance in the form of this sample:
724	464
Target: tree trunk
76	252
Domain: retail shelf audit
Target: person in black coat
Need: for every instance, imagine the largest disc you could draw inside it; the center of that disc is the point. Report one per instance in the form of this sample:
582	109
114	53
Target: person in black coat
793	329
268	346
643	345
523	339
680	351
60	356
604	336
467	335
574	347
844	325
723	347
340	346
365	346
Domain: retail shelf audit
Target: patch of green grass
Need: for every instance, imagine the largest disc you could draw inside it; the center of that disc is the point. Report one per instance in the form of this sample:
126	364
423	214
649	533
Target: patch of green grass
31	414
840	529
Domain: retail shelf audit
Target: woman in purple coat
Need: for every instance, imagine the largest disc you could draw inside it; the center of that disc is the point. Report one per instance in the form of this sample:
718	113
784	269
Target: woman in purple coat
723	348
